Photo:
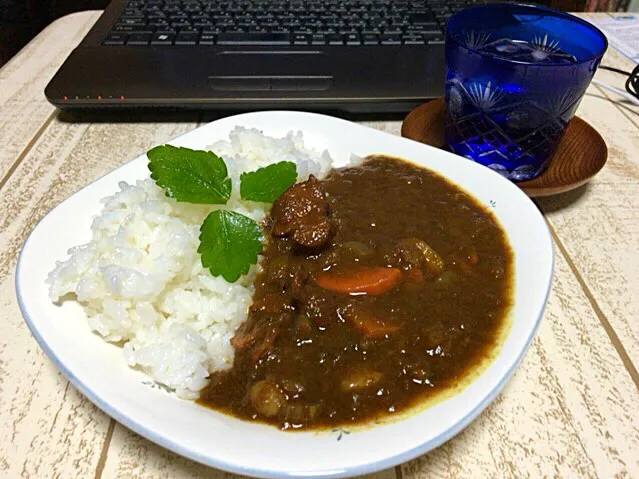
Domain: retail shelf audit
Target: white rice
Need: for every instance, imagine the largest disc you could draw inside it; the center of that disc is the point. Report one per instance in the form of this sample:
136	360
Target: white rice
141	281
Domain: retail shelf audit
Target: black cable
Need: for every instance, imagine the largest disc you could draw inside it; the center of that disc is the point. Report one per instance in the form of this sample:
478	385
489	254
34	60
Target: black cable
613	69
632	82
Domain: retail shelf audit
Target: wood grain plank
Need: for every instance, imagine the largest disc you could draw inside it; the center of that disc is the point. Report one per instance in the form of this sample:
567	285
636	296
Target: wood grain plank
599	223
23	106
47	429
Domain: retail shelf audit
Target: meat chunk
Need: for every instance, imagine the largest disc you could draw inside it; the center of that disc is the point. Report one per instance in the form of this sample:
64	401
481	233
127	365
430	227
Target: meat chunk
302	212
259	333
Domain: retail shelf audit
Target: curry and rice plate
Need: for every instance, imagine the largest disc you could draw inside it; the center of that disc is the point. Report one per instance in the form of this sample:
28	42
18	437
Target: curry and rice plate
379	286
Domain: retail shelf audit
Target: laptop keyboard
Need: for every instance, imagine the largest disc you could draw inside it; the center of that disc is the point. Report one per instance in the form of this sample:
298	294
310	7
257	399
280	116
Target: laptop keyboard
276	22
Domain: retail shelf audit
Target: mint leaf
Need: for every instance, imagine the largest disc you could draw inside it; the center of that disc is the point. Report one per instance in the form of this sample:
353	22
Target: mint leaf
192	176
268	183
229	244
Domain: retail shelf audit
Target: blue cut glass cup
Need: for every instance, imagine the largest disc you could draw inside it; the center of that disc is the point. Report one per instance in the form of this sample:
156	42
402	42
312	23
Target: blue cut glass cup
515	75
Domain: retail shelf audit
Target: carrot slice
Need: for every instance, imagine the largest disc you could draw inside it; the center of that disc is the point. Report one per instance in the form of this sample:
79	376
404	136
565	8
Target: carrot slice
371	326
363	280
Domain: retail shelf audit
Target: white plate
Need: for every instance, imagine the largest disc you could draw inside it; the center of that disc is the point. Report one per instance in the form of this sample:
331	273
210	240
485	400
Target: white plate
99	371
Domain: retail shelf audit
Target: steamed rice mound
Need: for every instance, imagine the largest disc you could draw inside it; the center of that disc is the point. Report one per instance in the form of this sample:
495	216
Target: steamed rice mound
141	281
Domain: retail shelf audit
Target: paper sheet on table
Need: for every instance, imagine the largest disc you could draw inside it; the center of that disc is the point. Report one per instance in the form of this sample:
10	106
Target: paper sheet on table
622	33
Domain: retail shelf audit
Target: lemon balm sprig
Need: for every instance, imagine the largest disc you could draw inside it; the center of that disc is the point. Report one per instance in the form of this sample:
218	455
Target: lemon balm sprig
230	242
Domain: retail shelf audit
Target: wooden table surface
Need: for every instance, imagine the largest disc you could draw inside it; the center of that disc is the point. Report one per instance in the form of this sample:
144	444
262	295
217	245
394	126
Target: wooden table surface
571	409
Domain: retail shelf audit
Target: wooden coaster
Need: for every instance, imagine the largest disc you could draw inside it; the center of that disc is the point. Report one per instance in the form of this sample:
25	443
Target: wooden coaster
580	155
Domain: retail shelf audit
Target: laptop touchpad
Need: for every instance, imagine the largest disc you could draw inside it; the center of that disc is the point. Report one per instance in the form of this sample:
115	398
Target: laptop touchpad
271	70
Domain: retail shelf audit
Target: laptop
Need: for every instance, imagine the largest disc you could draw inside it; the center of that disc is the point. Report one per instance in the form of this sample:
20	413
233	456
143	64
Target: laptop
357	56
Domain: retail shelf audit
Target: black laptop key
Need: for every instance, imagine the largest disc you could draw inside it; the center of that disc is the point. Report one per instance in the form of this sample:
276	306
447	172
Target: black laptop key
158	23
254	39
337	24
353	39
301	39
433	35
115	39
133	16
397	27
370	39
421	18
139	39
132	19
203	23
414	39
207	39
318	39
426	28
391	39
246	23
440	10
186	38
235	31
212	31
374	18
180	23
163	38
291	24
133	22
134	30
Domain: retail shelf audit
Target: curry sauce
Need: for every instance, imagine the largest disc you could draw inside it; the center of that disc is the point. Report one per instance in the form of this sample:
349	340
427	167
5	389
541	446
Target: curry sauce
382	286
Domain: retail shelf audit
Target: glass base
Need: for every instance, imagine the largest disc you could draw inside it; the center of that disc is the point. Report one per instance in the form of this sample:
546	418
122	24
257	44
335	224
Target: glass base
522	172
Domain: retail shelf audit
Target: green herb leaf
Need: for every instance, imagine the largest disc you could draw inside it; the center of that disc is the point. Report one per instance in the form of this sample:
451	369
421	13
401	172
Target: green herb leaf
268	183
192	176
229	244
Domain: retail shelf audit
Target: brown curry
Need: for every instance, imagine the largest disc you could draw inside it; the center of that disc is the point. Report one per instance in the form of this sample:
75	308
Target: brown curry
382	285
